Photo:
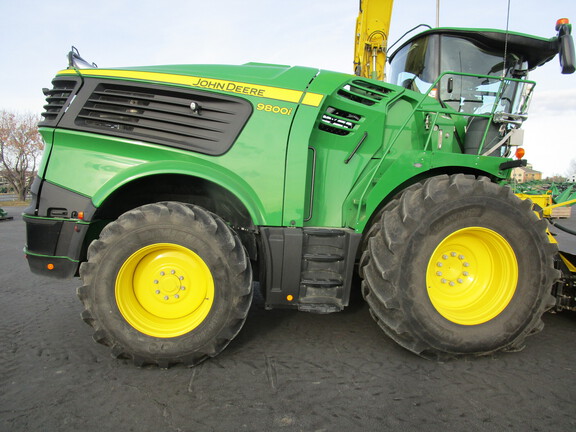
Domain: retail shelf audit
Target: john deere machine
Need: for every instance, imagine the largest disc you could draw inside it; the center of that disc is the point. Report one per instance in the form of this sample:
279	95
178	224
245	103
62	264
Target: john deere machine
170	190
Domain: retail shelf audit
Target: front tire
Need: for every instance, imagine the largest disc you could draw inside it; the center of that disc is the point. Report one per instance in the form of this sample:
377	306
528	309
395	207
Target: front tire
458	266
166	283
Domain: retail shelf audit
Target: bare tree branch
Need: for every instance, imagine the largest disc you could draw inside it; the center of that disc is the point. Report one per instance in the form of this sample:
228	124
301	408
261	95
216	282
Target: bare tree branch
20	149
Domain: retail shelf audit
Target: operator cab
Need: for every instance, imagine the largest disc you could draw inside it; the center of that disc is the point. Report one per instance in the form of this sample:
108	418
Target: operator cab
480	75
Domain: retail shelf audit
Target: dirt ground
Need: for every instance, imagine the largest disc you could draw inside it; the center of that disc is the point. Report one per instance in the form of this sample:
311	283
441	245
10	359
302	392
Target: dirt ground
286	370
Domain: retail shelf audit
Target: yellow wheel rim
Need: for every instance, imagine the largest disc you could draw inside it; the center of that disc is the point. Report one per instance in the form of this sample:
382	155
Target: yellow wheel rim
472	276
164	290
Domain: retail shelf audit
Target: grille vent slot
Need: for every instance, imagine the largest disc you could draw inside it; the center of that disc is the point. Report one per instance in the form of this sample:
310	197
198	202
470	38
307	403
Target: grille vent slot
57	99
190	119
338	121
363	92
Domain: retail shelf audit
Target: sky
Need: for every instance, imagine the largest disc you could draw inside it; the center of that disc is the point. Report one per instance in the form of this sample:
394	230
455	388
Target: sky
35	37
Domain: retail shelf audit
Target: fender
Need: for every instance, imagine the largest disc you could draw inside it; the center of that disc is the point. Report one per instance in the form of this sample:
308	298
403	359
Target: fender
409	168
201	168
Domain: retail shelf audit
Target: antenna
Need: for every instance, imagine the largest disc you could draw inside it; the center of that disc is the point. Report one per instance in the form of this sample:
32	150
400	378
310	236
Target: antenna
505	41
437	13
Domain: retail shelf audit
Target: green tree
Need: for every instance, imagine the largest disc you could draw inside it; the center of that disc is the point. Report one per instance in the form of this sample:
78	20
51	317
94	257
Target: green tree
20	149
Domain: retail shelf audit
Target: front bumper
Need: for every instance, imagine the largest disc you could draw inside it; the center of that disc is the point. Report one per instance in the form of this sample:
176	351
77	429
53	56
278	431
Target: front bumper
55	233
54	246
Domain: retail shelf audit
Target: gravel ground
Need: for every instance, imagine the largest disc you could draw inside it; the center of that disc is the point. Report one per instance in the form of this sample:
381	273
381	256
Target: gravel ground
287	370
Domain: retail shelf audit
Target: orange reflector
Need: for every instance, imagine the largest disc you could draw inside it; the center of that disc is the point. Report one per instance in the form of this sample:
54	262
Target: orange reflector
520	153
81	215
50	266
289	297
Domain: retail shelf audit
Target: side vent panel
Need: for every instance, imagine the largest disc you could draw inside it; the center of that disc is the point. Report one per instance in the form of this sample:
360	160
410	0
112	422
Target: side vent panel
338	121
363	92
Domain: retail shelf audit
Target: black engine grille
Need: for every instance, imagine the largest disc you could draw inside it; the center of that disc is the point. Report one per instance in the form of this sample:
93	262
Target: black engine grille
190	119
57	99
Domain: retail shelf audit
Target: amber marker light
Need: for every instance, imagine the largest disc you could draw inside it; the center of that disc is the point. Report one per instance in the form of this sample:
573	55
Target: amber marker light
81	215
289	297
560	22
520	153
50	266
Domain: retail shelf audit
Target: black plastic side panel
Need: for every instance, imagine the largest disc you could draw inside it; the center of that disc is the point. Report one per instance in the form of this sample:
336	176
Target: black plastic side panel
55	201
282	255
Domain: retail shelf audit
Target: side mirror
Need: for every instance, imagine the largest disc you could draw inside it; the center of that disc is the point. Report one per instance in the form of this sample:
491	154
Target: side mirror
566	46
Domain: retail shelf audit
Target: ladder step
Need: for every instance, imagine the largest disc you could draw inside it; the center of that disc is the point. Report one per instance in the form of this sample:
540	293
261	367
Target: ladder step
323	257
324	232
323	283
320	300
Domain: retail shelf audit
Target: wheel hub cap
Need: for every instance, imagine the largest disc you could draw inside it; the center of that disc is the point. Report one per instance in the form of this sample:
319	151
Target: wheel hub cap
472	276
164	290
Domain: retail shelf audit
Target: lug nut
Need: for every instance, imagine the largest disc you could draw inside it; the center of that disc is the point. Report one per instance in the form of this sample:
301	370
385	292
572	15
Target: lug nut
461	257
182	288
451	283
166	297
445	257
181	278
460	280
465	273
466	264
438	273
172	271
155	281
443	281
176	296
162	273
157	291
439	264
453	254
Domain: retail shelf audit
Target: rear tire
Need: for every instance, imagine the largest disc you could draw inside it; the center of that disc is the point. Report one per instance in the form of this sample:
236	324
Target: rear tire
166	283
458	266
